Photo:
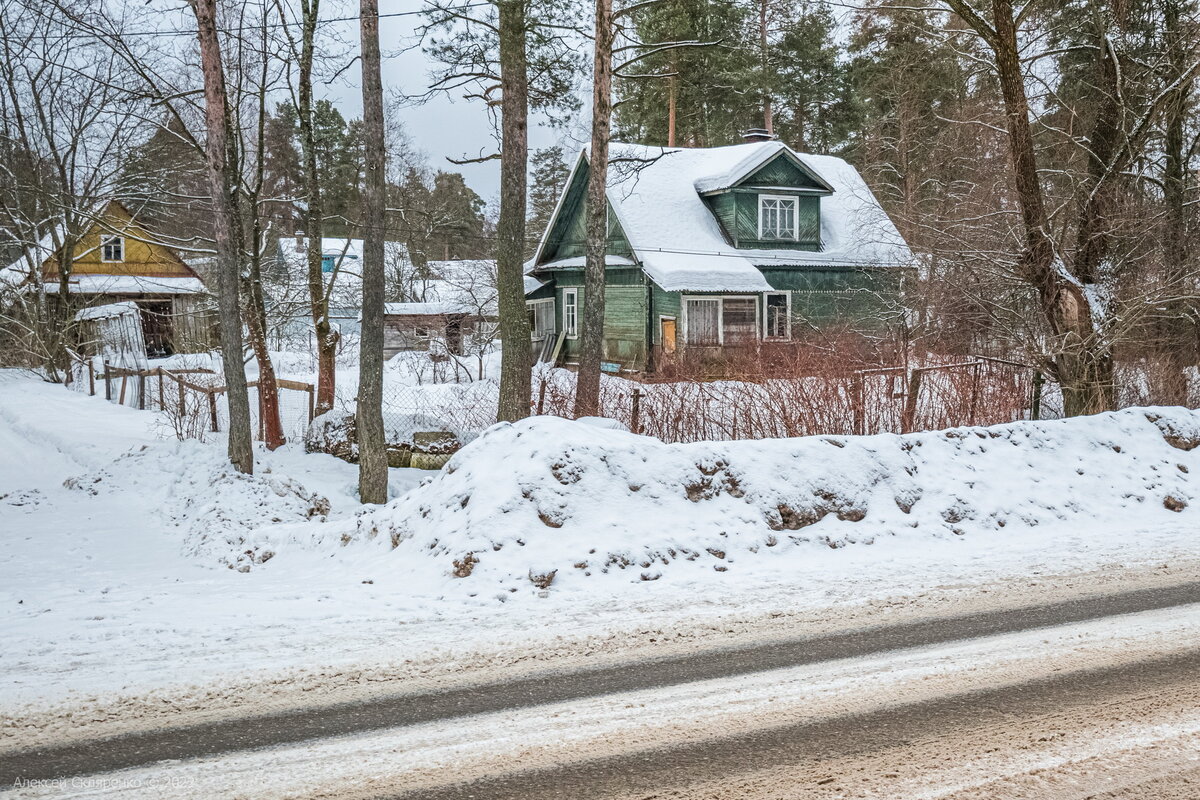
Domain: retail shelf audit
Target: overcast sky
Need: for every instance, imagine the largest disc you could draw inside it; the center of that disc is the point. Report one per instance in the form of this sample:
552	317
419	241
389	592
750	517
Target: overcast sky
444	126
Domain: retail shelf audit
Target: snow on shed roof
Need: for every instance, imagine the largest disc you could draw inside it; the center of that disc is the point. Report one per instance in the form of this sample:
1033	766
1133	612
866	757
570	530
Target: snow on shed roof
655	193
107	310
88	283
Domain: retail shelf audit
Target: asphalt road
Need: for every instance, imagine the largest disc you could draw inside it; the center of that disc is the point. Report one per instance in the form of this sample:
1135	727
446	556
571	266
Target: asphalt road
809	749
390	711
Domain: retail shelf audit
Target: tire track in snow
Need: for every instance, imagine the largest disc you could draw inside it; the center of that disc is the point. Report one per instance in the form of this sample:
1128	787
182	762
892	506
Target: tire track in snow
406	710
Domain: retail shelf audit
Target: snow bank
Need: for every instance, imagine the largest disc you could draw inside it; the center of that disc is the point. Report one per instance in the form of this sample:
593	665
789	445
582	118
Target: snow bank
557	503
214	506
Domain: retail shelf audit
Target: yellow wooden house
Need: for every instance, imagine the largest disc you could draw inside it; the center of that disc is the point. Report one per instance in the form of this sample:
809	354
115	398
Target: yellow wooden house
118	260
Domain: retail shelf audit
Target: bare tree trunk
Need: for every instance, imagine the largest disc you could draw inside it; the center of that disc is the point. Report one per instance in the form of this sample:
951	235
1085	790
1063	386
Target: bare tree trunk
255	305
326	336
672	102
516	357
768	112
1082	361
372	456
222	178
1177	344
591	340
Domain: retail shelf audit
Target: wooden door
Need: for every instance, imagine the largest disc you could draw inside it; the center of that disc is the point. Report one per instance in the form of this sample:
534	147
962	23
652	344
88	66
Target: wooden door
668	334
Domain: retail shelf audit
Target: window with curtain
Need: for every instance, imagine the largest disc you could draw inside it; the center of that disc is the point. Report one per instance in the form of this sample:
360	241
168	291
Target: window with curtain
777	218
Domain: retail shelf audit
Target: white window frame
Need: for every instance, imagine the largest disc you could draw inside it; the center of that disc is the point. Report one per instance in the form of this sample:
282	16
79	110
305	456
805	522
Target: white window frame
571	325
788	336
532	306
106	241
795	203
683	299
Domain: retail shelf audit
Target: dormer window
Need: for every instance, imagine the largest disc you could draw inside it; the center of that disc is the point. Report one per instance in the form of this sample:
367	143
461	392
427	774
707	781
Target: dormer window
777	217
112	248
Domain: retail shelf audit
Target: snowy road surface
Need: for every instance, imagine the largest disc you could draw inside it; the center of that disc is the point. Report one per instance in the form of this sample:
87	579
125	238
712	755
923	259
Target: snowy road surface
123	612
711	668
1132	676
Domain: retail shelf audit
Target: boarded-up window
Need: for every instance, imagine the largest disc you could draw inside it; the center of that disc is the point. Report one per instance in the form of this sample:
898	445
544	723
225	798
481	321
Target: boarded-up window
740	320
703	321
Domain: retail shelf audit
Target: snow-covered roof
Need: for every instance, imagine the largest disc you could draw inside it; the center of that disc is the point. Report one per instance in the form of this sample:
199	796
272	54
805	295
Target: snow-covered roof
466	286
347	287
107	310
128	284
424	309
656	194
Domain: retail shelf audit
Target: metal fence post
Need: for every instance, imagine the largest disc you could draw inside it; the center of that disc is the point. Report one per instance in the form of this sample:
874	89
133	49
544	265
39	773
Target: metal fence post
859	404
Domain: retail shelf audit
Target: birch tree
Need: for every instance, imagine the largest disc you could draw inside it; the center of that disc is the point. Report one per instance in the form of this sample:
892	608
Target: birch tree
1075	275
70	120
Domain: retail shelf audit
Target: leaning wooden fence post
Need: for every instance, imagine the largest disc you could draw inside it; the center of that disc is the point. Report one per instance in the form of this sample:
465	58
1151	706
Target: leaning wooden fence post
973	408
212	410
1035	405
636	416
124	381
91	378
858	404
541	405
107	383
909	421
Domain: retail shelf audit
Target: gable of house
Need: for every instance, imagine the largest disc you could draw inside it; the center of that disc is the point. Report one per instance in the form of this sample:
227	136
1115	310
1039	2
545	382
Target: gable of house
115	244
567	235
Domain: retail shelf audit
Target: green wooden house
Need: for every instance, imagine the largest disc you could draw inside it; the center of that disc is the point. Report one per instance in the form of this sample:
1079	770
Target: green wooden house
711	248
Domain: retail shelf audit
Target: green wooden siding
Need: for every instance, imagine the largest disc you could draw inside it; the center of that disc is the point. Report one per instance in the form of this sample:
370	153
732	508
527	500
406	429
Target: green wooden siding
625	315
780	171
808	222
824	296
567	237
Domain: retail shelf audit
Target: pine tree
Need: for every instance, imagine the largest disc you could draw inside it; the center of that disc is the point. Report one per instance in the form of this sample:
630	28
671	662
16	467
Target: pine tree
547	180
713	95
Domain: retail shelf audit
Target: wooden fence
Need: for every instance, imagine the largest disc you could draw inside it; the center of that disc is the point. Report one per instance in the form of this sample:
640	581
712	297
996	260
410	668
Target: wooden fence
185	391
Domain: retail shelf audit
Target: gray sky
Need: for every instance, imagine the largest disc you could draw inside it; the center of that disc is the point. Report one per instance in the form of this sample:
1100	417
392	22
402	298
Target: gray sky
444	126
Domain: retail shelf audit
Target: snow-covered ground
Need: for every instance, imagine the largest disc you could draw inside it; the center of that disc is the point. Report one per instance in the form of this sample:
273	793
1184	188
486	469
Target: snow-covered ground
142	582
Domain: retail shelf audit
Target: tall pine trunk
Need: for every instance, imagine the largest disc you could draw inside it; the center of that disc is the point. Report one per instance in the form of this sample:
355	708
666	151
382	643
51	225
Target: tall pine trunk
318	294
1177	342
221	161
516	357
591	346
372	456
